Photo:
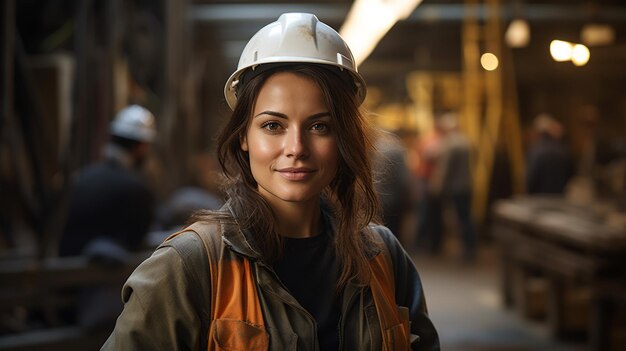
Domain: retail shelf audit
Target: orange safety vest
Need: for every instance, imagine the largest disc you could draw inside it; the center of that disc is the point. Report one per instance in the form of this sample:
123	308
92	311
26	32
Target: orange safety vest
234	299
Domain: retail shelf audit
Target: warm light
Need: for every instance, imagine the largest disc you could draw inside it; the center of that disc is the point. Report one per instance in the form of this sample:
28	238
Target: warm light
565	51
517	34
369	20
561	50
597	34
580	55
361	38
489	61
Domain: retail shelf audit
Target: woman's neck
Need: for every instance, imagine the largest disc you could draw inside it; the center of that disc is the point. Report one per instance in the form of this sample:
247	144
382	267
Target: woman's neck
297	219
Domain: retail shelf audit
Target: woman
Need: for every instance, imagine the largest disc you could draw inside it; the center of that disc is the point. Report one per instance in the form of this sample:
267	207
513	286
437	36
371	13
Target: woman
291	261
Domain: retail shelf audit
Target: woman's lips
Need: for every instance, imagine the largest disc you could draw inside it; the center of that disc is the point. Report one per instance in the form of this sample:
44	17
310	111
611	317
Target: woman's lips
296	173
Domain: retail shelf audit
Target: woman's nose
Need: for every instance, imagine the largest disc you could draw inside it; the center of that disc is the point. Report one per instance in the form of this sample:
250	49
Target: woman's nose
295	144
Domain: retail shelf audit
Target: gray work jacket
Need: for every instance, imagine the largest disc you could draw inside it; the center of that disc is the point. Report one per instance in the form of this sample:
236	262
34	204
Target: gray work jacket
167	300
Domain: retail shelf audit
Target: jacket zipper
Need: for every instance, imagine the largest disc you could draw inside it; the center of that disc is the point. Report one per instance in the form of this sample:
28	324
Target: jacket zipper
343	313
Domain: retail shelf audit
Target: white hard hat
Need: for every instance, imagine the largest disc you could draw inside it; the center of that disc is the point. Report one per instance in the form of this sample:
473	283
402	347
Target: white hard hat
295	38
134	122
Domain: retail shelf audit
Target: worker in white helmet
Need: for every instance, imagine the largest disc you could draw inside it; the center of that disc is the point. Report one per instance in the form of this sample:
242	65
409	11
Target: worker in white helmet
109	199
294	260
111	208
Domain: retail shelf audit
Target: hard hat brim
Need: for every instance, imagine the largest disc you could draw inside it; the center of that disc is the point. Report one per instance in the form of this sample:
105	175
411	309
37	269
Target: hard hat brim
232	84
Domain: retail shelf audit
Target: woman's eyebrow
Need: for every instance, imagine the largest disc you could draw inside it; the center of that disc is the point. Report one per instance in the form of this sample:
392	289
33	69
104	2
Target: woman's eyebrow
282	115
319	115
272	113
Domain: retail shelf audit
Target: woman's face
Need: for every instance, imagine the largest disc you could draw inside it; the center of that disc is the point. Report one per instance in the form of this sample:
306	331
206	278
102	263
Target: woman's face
290	140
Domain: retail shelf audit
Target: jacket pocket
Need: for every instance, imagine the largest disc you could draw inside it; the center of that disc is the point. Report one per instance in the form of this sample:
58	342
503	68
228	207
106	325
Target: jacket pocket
404	316
398	337
235	335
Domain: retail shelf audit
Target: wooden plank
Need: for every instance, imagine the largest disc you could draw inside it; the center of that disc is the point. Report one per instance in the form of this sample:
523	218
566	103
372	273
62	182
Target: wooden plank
56	282
65	271
55	339
554	219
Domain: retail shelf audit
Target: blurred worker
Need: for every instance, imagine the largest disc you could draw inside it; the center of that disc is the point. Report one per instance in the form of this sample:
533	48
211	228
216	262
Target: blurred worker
109	200
549	165
111	208
392	182
453	179
175	212
428	204
201	191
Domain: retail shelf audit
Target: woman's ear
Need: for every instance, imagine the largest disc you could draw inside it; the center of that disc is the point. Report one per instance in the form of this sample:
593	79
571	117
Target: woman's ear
243	141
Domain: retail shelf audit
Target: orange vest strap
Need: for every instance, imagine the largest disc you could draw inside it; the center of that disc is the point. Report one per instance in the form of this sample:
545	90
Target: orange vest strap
394	324
236	316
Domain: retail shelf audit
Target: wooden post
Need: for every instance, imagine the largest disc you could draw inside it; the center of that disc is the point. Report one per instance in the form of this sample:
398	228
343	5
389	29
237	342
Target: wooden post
556	306
472	112
8	56
7	35
173	122
511	124
496	91
600	323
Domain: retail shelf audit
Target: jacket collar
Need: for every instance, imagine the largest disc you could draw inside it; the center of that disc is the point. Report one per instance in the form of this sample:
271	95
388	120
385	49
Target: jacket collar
241	240
237	239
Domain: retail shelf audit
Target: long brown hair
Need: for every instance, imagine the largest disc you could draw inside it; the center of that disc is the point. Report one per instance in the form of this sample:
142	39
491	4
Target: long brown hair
350	195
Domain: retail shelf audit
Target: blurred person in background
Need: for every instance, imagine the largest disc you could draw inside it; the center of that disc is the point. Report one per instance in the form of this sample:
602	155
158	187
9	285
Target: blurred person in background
111	209
175	212
453	180
428	208
549	163
597	150
292	260
201	191
392	182
109	200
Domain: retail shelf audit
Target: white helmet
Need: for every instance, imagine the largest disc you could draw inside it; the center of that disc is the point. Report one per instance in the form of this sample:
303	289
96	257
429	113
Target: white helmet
293	38
134	122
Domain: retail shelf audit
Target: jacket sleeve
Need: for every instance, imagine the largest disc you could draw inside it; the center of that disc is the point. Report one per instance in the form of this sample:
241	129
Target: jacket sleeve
409	293
164	301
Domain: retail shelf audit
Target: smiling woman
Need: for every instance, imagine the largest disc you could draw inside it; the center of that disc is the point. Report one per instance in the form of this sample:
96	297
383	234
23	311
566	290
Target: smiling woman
294	260
320	89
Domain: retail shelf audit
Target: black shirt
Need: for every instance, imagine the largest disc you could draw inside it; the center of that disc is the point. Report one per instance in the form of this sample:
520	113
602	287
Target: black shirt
309	270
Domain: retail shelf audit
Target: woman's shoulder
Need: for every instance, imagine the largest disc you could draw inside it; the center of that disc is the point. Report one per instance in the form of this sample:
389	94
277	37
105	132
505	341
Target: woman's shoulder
380	232
186	251
192	240
384	235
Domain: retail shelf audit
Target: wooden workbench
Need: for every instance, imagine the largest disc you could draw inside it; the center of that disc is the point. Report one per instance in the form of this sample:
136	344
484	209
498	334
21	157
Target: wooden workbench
574	252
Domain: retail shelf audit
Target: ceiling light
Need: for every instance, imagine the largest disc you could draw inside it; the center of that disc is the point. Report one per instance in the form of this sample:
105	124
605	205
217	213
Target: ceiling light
561	50
369	20
489	61
597	34
517	34
580	55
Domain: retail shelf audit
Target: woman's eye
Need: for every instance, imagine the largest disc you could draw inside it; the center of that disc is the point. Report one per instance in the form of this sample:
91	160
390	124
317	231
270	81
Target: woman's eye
320	127
271	126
